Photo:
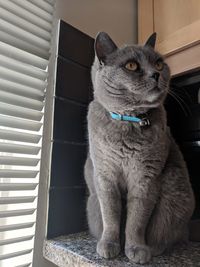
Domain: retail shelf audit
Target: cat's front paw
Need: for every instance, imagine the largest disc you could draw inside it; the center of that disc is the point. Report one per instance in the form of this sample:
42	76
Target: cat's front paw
108	249
138	254
156	251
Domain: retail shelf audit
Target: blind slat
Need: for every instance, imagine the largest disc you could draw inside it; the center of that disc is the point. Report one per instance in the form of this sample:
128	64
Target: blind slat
36	10
51	2
19	149
24	265
19	136
44	5
20	112
17	186
15	254
20	101
20	161
23	34
24	68
23	56
25	14
24	24
17	173
16	226
16	200
19	123
22	78
13	213
23	45
21	90
15	240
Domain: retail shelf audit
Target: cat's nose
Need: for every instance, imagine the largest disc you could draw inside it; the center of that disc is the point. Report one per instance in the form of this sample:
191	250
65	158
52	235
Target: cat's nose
155	76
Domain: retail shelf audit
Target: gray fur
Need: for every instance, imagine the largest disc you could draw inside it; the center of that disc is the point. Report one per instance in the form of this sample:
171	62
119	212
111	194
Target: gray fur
141	164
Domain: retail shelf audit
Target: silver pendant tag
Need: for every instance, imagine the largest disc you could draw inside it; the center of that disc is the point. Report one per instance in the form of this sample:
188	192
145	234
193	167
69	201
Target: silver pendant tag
144	122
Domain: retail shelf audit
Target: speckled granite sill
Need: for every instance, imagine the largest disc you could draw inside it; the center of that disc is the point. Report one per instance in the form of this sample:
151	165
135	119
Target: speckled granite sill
78	250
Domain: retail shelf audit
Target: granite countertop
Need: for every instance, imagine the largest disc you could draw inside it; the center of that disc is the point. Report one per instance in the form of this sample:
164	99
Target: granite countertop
79	250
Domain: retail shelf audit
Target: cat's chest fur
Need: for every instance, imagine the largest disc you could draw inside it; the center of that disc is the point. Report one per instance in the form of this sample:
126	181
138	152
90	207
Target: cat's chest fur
125	141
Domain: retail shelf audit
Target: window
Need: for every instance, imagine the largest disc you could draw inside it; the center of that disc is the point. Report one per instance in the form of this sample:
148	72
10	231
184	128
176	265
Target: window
25	45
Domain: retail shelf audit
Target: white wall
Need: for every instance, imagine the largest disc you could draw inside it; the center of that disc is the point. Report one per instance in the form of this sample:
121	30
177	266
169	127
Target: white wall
116	17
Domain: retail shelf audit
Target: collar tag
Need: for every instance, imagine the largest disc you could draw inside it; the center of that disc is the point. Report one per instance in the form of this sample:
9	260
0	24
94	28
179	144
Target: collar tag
144	122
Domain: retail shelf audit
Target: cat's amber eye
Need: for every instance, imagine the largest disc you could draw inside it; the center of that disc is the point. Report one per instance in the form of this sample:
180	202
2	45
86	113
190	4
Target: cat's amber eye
159	65
131	66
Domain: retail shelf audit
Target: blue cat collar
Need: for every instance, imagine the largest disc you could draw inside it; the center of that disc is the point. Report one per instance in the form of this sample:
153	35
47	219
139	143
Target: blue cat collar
141	122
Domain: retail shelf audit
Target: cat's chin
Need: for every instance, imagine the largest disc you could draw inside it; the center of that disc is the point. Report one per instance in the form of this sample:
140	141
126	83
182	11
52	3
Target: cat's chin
149	105
155	99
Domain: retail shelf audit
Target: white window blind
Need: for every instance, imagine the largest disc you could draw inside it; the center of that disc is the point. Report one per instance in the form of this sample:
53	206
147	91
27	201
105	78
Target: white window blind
25	45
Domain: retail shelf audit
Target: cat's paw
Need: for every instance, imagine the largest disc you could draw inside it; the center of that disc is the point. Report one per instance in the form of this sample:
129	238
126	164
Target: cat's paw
108	249
156	251
138	254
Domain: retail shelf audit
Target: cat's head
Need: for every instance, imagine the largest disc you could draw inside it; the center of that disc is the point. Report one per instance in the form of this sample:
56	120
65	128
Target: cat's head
129	78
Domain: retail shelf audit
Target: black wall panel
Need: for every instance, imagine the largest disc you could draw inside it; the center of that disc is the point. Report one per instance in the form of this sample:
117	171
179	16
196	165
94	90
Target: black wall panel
67	211
75	45
73	80
67	196
70	123
68	161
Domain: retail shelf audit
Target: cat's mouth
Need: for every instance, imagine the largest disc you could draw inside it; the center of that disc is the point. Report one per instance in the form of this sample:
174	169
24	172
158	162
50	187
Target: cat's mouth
156	92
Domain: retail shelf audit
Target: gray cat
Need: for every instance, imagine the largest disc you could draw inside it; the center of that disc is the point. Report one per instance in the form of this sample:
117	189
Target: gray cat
133	156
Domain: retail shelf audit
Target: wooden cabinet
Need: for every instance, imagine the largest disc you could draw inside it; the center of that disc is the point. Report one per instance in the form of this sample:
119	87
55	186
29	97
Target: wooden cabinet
177	23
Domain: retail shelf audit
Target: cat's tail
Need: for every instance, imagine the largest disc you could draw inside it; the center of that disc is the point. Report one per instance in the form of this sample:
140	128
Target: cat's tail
194	230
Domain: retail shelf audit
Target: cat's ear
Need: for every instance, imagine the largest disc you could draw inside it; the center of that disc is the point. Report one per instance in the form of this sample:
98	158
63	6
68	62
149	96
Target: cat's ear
104	46
151	41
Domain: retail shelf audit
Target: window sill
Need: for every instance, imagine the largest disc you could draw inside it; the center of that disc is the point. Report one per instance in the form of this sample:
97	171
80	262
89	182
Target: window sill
78	250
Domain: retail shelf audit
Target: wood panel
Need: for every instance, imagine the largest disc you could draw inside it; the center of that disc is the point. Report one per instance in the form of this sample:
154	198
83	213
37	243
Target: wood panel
177	23
180	39
184	61
173	15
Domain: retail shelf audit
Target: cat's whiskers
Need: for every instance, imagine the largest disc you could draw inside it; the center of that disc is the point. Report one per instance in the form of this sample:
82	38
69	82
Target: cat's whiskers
110	92
172	94
114	94
189	96
184	92
182	100
109	83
